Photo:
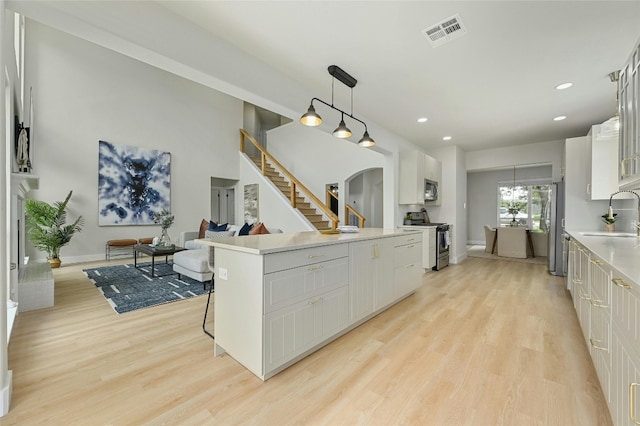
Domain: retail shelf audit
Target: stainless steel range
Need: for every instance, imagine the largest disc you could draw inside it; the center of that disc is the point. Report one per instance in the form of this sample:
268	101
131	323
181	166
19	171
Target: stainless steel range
442	246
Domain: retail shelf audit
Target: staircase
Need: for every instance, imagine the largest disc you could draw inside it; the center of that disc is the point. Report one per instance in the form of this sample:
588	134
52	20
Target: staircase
301	203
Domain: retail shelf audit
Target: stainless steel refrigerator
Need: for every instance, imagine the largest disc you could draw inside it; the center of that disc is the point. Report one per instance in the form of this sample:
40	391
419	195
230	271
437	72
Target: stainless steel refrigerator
557	245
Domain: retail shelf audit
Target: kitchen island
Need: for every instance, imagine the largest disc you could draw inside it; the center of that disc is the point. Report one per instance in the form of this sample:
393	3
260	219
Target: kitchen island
280	297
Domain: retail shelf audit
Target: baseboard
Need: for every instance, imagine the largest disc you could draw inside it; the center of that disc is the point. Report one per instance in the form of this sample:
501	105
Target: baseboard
5	398
457	259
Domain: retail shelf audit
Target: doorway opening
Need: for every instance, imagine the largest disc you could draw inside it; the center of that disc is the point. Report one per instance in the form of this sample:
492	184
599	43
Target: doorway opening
223	200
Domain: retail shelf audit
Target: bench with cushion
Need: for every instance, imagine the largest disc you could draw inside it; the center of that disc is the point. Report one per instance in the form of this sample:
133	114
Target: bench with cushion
120	247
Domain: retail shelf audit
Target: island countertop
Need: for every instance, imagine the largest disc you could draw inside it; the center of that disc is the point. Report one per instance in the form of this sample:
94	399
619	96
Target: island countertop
274	243
622	253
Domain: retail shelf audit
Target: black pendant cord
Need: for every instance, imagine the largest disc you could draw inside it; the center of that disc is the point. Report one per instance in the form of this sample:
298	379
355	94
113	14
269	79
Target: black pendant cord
206	311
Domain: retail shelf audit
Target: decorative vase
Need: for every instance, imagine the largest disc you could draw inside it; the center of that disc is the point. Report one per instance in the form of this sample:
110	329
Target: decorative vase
514	223
610	227
54	262
164	240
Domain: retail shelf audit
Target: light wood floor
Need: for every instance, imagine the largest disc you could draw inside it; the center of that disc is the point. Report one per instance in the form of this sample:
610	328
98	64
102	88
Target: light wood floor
485	342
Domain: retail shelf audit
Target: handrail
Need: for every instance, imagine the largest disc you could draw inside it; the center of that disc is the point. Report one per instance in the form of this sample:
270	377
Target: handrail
348	209
294	182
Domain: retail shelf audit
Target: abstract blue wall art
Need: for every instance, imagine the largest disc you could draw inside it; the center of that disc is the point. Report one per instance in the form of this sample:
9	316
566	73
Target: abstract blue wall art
133	184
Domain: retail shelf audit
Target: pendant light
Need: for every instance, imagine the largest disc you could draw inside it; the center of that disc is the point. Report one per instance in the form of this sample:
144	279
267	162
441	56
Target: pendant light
366	140
311	118
342	131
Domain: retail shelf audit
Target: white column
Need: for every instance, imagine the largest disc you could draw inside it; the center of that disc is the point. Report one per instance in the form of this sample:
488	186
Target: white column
5	181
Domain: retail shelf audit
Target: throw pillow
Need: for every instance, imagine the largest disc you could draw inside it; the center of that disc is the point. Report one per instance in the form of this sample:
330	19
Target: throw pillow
258	229
217	228
245	229
218	234
204	225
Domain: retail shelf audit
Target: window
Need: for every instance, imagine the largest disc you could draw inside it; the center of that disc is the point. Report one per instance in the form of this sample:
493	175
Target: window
524	205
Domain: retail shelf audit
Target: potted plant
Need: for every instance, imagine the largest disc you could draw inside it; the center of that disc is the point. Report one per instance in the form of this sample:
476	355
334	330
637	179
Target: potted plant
165	219
609	220
47	228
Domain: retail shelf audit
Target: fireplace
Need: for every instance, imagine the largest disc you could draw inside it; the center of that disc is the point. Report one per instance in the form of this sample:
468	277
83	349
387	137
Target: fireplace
21	184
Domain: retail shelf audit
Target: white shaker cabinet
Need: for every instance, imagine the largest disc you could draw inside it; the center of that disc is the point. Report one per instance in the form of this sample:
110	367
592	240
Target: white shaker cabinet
629	143
415	167
428	244
407	264
600	327
281	297
611	327
579	259
429	248
602	165
626	351
303	306
371	275
294	329
625	384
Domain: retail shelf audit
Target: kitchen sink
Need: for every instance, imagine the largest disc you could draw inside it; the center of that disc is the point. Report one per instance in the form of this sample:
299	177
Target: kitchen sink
609	234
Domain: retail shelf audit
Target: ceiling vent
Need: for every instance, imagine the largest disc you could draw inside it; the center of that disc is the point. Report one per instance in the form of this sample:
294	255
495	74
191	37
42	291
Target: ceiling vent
445	31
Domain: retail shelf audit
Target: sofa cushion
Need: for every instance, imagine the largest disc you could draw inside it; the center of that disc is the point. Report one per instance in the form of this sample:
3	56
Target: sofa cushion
204	225
218	234
245	229
217	228
192	245
194	260
258	229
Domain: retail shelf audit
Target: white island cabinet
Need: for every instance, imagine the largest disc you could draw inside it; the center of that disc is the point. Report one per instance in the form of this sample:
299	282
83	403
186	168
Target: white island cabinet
280	297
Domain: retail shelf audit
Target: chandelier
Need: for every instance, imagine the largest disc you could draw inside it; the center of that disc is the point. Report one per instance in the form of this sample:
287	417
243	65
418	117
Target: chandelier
311	118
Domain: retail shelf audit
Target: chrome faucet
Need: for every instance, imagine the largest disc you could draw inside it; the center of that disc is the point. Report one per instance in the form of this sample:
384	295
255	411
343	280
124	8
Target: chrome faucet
638	196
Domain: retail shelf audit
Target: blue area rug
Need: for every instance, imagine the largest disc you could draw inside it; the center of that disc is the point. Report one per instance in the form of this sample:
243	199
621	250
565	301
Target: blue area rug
127	288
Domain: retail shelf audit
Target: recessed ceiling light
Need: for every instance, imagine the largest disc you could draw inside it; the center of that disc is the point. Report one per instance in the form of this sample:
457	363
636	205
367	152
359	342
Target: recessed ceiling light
422	119
559	118
564	86
446	138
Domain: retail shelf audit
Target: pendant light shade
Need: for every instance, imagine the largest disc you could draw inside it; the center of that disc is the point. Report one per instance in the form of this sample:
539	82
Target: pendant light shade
366	140
310	118
342	131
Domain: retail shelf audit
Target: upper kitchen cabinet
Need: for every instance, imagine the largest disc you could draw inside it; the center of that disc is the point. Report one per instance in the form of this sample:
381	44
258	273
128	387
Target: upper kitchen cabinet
629	145
415	168
602	164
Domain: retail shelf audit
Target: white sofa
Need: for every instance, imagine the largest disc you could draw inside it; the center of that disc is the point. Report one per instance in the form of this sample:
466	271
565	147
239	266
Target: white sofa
197	261
193	262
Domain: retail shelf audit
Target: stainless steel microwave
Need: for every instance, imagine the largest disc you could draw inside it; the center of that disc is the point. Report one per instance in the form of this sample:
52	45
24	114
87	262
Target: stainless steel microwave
430	190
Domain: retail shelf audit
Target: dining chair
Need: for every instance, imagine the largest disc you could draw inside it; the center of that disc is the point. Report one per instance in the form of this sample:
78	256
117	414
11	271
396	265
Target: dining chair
512	242
489	237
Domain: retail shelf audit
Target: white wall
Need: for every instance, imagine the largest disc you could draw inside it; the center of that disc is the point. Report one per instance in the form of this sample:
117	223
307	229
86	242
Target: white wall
482	196
537	153
318	158
453	194
274	209
84	93
332	159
